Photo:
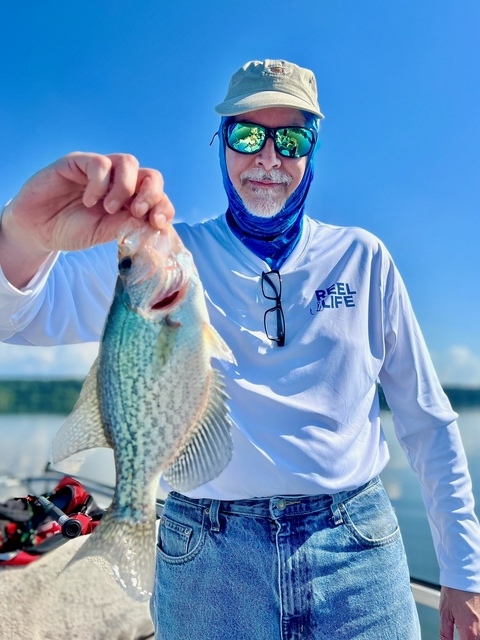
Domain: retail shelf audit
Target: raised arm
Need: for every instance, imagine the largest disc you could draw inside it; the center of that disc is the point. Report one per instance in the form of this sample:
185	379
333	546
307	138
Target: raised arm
77	202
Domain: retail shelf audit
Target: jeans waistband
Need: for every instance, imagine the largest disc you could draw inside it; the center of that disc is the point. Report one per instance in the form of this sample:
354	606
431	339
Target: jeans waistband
289	505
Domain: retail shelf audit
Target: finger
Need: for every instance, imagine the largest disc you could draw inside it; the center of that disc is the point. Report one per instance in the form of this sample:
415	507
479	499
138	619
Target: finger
149	192
91	170
98	171
162	214
123	181
446	626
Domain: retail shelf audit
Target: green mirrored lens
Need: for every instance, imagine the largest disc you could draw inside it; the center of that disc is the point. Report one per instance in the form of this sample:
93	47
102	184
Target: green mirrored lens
246	138
293	142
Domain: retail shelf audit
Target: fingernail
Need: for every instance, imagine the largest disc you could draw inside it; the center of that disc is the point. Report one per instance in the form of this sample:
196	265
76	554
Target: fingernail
160	220
141	209
90	201
112	206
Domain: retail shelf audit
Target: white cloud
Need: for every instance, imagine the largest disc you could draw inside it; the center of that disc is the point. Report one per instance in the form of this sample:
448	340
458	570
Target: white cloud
69	361
458	366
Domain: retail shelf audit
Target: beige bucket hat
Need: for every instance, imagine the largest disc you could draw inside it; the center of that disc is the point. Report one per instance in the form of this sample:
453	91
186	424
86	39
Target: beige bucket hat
271	83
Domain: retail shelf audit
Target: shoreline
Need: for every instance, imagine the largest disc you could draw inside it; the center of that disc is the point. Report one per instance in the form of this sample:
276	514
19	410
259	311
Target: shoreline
58	396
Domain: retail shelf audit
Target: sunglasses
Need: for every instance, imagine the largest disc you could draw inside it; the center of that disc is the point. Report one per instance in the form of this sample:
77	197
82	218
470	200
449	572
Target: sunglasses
290	142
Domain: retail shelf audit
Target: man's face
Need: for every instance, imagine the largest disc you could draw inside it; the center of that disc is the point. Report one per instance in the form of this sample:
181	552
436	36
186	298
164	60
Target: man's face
265	180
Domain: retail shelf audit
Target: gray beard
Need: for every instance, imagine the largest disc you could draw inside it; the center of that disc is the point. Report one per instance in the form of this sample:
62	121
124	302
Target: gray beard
263	207
264	203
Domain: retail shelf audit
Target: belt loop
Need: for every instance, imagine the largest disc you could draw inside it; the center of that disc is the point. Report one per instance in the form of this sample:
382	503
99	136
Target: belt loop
336	513
213	514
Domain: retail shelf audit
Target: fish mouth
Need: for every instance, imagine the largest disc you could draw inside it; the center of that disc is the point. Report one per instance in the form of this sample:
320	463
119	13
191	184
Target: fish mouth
154	268
163	301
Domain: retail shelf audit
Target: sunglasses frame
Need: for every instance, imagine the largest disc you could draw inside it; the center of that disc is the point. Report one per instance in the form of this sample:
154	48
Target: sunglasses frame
277	309
270	132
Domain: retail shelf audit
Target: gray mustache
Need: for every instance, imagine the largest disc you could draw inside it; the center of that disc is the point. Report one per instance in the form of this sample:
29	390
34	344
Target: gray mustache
276	176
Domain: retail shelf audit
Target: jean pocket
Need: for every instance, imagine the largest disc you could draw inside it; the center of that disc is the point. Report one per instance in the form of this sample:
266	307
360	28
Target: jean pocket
179	541
370	517
174	538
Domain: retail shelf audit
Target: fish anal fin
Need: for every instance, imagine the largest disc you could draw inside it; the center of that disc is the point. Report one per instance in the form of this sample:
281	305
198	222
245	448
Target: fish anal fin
209	446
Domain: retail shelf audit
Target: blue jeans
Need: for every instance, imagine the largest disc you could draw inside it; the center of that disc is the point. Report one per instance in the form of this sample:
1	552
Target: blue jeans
287	568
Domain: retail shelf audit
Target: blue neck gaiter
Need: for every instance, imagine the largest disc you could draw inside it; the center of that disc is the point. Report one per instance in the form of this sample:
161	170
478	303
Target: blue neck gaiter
272	239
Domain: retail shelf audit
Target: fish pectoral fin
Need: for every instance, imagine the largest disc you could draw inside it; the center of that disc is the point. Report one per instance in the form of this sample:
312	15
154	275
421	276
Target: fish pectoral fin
173	324
165	342
217	345
209	448
83	429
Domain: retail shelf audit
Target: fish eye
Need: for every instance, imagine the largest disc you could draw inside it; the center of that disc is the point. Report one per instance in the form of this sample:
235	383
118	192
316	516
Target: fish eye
125	264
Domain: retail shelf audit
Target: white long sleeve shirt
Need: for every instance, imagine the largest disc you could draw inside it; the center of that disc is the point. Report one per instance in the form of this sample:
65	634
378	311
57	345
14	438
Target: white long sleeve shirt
306	416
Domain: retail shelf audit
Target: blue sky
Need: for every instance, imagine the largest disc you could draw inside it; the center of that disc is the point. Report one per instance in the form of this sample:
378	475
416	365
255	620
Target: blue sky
399	84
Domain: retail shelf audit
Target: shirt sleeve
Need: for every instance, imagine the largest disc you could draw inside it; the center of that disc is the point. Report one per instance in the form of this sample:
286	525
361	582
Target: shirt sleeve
66	302
426	427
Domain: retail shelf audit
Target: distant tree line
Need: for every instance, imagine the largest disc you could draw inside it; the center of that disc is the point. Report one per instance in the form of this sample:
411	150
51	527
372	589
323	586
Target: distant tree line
38	396
460	397
59	396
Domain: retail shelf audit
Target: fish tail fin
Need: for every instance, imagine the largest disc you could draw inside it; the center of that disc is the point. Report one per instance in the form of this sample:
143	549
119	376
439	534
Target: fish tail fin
125	550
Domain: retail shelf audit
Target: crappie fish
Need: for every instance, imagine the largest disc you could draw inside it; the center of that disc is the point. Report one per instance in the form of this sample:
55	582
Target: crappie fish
153	396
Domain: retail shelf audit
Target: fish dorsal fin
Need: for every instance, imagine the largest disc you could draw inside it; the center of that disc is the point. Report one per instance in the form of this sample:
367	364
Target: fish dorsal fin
209	447
217	346
83	429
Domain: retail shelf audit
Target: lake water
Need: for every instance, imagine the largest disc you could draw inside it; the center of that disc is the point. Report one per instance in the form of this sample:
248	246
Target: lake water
25	441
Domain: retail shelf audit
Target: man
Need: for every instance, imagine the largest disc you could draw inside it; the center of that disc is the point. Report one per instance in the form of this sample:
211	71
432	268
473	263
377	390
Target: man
296	537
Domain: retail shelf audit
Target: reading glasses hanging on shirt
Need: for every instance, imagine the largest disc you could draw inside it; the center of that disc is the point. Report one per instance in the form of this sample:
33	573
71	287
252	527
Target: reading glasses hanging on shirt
274	320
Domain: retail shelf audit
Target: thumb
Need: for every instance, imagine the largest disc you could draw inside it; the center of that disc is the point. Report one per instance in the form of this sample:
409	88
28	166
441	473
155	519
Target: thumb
447	625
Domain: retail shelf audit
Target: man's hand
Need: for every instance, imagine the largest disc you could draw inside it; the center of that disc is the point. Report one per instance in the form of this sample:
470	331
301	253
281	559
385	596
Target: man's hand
461	610
78	201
